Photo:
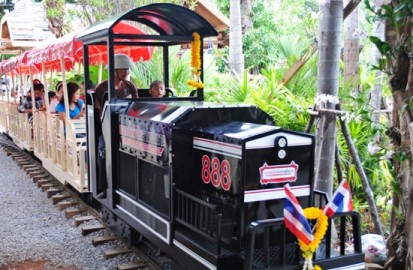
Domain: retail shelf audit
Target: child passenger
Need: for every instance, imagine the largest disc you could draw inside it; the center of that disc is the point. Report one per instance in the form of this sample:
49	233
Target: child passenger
157	89
55	101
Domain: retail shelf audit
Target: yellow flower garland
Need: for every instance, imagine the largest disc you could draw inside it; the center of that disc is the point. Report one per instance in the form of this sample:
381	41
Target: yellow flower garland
321	225
196	62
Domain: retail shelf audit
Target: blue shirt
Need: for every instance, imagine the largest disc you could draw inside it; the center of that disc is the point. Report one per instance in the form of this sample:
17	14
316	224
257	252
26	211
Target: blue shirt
72	113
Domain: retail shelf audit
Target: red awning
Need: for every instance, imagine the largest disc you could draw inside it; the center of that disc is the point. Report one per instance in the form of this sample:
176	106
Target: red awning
98	54
72	50
14	63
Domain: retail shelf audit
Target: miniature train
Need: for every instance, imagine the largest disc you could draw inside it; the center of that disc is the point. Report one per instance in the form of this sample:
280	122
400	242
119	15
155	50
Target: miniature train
203	182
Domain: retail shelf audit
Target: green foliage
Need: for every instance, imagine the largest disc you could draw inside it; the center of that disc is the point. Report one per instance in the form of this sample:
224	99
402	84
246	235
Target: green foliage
264	91
397	15
363	132
179	70
55	8
6	5
385	50
259	44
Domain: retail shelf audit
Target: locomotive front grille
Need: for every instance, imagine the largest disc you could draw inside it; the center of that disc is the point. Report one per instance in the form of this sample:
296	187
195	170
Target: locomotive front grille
197	215
216	224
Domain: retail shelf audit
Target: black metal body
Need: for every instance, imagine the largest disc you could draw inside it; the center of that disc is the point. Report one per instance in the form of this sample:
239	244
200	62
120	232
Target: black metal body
203	182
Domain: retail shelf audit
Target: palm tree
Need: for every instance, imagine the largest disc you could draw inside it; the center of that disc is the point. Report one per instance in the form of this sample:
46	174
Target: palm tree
236	57
331	17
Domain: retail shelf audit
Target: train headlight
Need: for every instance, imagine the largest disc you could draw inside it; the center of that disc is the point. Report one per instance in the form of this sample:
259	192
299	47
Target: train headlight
281	154
281	142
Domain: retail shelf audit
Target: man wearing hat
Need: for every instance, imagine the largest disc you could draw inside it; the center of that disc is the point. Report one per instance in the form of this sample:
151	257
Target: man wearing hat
123	89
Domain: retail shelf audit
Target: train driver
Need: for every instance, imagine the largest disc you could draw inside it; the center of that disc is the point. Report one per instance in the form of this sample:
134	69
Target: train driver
124	88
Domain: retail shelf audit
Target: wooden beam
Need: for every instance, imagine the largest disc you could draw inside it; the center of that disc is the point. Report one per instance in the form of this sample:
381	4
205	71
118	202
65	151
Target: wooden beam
352	5
298	64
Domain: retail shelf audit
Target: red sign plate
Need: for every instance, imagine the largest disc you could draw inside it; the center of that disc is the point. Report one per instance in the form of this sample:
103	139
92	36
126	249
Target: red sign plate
278	173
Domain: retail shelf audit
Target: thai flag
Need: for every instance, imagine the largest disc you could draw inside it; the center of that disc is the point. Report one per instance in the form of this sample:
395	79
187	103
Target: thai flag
294	218
341	200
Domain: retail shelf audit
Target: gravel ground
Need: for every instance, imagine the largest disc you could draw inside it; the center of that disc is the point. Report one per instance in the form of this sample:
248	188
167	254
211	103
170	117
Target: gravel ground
32	229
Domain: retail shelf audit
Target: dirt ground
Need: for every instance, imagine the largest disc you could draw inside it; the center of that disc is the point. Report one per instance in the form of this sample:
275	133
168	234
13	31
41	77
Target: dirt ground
33	265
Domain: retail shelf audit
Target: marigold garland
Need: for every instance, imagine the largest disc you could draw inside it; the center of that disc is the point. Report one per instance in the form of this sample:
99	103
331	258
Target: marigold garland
196	62
321	225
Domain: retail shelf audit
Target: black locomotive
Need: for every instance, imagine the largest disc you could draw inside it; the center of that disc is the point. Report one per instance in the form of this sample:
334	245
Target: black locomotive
203	182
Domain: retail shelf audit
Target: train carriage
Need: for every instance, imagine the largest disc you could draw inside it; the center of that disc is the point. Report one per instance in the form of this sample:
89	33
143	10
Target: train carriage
203	182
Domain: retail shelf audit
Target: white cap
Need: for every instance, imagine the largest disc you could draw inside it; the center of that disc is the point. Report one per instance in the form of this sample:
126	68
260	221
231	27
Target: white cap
122	61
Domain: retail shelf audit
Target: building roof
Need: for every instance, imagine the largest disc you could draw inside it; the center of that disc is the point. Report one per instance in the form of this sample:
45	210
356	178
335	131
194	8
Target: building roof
210	12
23	28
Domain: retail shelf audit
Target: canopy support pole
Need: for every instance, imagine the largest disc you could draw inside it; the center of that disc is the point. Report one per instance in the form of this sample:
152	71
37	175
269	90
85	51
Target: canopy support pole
65	94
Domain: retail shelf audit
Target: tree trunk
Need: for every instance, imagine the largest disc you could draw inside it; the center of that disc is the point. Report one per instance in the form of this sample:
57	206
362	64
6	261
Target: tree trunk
246	15
400	68
375	99
236	57
331	17
55	13
351	51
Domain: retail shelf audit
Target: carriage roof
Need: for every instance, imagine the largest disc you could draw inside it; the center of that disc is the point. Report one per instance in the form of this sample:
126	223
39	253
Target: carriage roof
168	20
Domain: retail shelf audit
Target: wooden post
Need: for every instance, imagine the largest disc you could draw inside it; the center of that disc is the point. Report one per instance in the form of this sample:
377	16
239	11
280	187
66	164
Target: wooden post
366	186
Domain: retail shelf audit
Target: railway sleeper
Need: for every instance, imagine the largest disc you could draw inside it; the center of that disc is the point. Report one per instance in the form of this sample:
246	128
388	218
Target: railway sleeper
24	164
19	158
82	219
28	167
69	213
42	182
32	170
53	191
132	266
38	176
47	186
92	228
10	152
60	197
100	240
66	204
110	253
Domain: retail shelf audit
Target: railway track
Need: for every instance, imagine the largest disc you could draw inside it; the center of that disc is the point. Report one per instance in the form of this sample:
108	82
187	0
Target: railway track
82	209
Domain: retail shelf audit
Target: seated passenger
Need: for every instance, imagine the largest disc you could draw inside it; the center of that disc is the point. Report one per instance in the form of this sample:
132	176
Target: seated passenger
83	91
26	105
58	98
157	89
37	81
52	96
76	105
